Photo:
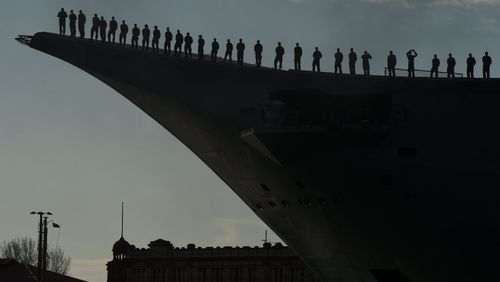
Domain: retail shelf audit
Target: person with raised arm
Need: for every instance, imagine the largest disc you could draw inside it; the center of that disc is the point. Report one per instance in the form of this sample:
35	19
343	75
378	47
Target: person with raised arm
411	55
366	57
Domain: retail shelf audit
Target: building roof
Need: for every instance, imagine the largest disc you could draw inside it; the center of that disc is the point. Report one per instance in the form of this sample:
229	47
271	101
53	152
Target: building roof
121	246
12	271
161	243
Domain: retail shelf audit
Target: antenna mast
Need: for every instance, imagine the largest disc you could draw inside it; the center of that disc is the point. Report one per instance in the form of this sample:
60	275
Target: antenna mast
122	219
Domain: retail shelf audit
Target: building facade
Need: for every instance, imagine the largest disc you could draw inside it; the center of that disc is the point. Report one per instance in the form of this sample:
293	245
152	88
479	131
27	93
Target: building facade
162	262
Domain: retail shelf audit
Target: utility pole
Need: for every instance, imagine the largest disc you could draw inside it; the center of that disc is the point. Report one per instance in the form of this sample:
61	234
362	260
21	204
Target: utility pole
44	252
40	249
42	243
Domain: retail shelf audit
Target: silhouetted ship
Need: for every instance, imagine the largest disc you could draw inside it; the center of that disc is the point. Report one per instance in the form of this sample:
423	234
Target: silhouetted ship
366	178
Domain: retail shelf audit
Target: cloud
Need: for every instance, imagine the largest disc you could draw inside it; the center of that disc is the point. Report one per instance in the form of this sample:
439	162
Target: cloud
230	228
395	3
89	269
465	2
413	3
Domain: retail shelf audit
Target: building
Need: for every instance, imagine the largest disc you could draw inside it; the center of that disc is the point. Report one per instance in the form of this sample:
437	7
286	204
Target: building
162	262
13	271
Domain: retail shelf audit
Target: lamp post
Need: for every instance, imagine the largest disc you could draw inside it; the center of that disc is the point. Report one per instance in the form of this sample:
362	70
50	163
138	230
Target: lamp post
42	241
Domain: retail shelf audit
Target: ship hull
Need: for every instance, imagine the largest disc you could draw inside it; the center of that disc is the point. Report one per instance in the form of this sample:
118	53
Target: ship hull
365	178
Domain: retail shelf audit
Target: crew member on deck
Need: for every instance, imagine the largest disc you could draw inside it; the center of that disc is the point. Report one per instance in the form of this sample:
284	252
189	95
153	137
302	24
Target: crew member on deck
366	57
353	58
145	37
168	42
240	49
411	55
297	56
451	66
201	48
229	51
391	64
81	24
135	36
123	33
435	66
215	50
339	57
486	65
94	30
156	39
471	62
258	48
316	59
72	23
280	51
102	28
113	26
179	39
188	42
62	21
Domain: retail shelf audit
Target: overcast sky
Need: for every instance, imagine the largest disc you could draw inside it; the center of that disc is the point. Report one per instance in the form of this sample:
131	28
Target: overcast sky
71	145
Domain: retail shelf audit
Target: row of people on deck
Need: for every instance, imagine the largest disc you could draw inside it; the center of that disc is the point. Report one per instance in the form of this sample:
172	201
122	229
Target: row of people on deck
99	26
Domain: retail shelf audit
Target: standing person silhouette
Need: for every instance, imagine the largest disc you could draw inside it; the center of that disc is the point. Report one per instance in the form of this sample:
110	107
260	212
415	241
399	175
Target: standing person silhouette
280	51
201	48
366	57
214	51
240	49
435	66
72	23
411	55
135	36
353	58
486	65
339	57
156	39
391	64
62	15
471	62
229	51
102	28
297	56
179	39
188	42
168	42
316	60
123	33
145	37
95	27
451	66
81	23
113	26
258	48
